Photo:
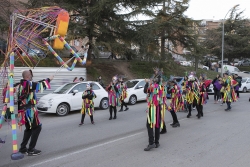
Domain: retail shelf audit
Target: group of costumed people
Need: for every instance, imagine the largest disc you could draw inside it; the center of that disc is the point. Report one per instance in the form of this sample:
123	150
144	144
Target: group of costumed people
226	89
117	92
191	93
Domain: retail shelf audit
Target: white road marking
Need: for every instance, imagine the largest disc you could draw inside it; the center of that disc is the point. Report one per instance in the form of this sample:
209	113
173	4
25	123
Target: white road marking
85	149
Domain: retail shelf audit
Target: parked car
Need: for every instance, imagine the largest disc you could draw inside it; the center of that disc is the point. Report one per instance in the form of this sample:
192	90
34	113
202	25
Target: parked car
103	53
246	72
245	63
135	91
186	63
245	85
211	89
68	97
235	63
35	52
225	62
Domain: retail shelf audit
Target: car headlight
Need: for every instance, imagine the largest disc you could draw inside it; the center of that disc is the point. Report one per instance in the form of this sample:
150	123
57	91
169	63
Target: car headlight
51	101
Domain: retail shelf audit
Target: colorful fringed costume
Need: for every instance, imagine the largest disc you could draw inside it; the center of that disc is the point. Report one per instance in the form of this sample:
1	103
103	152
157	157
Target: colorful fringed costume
28	113
27	100
122	95
203	96
176	102
113	98
156	104
229	93
193	95
88	97
155	111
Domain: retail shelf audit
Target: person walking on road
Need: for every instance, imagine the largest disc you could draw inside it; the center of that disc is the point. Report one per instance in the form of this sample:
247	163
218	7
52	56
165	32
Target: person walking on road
156	109
113	97
27	111
88	97
122	89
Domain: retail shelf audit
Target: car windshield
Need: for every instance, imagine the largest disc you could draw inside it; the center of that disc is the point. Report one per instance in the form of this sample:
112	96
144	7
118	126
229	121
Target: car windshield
243	80
131	84
64	88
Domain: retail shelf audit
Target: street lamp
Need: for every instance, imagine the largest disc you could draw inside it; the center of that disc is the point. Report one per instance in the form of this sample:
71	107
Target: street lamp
222	47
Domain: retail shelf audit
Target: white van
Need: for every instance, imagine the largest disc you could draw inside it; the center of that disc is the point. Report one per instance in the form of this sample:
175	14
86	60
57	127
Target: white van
231	69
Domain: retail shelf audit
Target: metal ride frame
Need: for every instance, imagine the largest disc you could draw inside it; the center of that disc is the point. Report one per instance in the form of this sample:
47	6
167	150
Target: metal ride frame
10	93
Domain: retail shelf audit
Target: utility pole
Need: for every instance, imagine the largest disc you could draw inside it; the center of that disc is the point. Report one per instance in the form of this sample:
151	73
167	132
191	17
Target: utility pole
163	34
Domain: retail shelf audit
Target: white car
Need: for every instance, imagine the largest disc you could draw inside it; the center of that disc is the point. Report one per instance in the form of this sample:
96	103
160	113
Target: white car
135	91
68	97
245	85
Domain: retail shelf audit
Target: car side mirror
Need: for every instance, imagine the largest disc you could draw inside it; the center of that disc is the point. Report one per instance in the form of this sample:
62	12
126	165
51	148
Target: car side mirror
75	91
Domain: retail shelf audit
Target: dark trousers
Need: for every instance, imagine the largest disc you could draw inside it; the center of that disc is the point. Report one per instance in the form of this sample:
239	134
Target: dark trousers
111	108
32	134
194	104
154	137
174	116
237	93
83	116
7	114
216	95
123	104
200	106
228	105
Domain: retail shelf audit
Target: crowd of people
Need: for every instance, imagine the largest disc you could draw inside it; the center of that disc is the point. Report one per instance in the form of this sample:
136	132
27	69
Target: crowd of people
191	93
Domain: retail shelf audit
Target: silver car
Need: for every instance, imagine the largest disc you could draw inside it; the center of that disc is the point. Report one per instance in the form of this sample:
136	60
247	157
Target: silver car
245	63
103	53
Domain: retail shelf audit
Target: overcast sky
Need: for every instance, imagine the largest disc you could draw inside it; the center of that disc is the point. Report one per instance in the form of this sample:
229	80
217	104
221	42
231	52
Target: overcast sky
215	9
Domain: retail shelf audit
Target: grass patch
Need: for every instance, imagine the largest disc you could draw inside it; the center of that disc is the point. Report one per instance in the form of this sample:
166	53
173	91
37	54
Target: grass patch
244	68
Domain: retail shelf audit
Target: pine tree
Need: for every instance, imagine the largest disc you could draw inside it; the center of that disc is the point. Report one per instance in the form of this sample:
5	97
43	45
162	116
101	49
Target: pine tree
236	37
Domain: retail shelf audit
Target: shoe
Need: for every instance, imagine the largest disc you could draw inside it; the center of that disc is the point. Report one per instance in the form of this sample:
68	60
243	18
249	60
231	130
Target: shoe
114	117
172	124
163	131
93	122
34	152
177	124
189	115
202	114
228	109
81	124
110	118
120	110
24	151
198	116
149	147
157	145
126	109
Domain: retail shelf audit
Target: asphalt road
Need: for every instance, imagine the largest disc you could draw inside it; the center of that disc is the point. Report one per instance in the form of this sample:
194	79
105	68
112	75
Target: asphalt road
219	139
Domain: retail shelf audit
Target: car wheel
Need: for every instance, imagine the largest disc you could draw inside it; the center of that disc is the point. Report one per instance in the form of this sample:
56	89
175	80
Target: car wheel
104	104
132	99
62	109
244	89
